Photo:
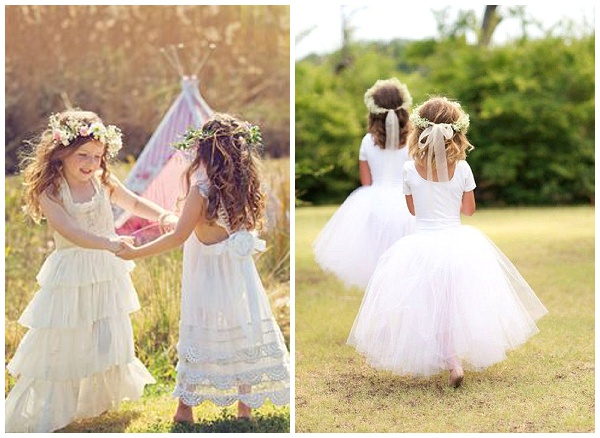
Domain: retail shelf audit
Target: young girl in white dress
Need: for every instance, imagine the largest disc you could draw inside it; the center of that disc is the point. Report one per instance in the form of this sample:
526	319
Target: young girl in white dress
230	346
444	298
77	360
374	216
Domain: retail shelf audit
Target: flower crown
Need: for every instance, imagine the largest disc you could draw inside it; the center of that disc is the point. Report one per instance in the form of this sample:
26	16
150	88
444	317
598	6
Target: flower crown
72	128
251	133
404	94
461	125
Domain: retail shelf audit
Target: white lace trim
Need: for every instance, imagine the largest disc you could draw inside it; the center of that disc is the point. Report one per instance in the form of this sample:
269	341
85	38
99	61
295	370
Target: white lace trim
253	354
275	374
254	400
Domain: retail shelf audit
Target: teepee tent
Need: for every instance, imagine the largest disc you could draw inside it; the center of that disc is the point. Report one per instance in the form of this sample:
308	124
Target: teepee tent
157	173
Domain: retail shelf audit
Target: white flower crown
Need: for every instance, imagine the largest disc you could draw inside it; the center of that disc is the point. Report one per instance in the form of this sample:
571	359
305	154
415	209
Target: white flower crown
461	125
71	128
404	94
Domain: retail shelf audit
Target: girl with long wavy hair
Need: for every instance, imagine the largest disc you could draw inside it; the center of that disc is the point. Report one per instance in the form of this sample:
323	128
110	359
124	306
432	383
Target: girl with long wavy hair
230	347
77	360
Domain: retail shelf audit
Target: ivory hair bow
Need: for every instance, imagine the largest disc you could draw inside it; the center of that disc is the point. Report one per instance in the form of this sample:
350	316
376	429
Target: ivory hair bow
434	139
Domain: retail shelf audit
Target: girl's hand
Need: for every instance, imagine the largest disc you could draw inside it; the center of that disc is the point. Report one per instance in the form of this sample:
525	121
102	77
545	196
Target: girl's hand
114	244
167	222
127	250
127	239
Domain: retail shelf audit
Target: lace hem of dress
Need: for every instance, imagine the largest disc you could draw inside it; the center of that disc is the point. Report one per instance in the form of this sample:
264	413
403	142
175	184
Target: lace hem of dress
254	400
252	354
275	373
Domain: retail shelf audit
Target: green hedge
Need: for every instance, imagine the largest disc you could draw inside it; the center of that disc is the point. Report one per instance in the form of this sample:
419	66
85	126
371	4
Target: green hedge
531	104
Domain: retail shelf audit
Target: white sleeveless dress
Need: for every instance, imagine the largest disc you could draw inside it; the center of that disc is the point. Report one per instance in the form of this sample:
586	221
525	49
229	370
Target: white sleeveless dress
443	292
230	347
77	360
369	221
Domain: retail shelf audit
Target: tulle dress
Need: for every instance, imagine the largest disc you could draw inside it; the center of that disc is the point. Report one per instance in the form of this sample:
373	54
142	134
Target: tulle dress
443	293
230	347
77	360
369	221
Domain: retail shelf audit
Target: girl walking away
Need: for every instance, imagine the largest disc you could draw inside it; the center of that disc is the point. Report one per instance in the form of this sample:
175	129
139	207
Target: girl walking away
375	215
77	359
230	346
444	298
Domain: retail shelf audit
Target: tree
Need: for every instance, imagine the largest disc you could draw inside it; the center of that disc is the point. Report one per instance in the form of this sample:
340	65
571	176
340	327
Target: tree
491	19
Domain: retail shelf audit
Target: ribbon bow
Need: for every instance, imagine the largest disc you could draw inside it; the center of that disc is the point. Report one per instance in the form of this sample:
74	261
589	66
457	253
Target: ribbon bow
392	134
434	138
242	244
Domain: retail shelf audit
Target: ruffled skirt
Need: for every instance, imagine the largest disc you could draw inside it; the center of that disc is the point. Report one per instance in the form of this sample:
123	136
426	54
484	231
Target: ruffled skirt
441	296
371	220
230	346
77	360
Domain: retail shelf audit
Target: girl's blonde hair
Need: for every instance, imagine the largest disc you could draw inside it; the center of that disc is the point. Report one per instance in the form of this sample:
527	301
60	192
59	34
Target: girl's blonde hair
42	166
230	155
440	110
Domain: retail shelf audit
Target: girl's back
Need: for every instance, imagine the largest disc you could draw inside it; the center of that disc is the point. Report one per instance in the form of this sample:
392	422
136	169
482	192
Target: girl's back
437	204
385	164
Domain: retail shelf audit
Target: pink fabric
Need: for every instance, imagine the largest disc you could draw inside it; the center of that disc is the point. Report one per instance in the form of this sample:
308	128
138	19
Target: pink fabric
157	174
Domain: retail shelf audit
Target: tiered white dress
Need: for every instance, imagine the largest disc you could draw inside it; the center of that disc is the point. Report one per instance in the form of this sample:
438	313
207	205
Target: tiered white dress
77	359
230	347
369	221
444	293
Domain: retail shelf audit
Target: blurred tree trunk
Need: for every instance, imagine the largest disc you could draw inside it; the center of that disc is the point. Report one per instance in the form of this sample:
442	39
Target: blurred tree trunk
491	19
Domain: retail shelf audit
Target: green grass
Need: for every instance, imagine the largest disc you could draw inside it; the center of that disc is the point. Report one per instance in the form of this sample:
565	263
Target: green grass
154	413
547	385
157	281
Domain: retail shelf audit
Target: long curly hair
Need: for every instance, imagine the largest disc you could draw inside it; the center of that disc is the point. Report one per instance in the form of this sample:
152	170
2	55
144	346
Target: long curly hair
42	164
232	164
388	96
439	109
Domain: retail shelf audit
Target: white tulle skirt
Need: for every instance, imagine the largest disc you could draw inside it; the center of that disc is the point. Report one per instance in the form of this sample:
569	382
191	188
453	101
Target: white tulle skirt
230	347
369	221
440	296
77	360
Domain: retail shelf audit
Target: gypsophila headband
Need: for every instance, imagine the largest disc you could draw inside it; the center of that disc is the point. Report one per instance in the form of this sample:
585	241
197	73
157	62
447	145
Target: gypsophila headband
250	133
71	128
461	125
404	94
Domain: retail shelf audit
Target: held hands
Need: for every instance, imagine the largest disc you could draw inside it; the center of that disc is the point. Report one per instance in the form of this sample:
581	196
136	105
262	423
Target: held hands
123	247
167	222
127	251
115	243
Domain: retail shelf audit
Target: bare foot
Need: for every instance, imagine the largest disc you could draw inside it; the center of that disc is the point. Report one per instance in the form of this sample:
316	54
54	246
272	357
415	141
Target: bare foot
456	377
184	414
244	411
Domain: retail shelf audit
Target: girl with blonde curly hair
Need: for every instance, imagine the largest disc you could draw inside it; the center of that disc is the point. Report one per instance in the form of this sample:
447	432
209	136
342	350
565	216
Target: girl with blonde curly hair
445	297
230	347
374	216
77	360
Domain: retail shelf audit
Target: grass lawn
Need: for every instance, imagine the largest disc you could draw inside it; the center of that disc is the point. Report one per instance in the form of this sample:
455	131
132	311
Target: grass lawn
547	385
153	413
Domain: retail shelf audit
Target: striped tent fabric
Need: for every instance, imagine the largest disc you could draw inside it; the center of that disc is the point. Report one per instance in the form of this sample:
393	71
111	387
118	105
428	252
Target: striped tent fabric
157	173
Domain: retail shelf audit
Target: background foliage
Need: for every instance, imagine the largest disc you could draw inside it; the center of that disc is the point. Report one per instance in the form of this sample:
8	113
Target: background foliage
531	103
107	59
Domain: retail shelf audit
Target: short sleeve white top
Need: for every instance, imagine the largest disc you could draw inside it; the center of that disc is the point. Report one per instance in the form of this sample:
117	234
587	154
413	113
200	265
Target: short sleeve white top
437	204
385	164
